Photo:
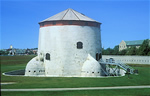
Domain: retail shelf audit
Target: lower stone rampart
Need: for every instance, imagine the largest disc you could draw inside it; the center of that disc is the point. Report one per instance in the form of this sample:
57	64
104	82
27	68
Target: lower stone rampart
128	59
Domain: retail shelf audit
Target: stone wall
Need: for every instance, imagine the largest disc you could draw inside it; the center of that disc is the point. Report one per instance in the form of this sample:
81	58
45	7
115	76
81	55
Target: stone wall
128	59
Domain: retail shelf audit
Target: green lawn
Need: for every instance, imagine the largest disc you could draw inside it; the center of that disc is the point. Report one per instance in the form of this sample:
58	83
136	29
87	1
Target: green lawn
9	63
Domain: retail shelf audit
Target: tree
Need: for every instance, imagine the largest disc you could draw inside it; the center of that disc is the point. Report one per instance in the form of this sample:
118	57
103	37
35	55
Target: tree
123	52
108	51
3	52
144	48
131	51
148	53
116	50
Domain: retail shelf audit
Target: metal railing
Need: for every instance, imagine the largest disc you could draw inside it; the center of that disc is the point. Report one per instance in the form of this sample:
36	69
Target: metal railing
115	67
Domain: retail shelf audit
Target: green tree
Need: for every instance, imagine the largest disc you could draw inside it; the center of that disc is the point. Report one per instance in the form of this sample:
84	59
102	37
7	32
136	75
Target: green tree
148	54
144	48
131	51
103	51
3	52
116	50
123	52
110	51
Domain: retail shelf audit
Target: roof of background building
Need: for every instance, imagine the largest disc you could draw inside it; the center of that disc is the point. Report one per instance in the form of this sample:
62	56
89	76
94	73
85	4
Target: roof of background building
136	42
69	14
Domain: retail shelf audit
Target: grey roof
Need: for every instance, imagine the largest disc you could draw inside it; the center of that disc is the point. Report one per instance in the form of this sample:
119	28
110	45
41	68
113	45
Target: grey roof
69	14
136	42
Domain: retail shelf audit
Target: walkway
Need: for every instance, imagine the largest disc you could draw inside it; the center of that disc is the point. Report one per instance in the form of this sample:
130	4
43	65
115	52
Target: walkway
6	83
84	88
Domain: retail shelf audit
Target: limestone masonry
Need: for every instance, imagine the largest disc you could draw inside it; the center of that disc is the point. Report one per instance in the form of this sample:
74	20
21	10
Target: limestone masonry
69	46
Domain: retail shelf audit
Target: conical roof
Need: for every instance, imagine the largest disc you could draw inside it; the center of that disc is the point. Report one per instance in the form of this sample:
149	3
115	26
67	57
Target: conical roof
69	14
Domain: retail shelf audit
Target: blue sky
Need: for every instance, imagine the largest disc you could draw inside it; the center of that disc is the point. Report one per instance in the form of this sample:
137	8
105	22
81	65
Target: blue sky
121	19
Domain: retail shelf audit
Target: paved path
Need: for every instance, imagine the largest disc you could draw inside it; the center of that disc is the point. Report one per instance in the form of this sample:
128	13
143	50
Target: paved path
84	88
6	83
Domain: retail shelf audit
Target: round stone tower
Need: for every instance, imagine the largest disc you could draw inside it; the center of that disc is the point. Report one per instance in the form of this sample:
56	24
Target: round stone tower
69	45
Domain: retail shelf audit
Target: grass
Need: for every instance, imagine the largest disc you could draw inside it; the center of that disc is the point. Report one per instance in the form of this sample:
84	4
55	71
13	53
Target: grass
9	63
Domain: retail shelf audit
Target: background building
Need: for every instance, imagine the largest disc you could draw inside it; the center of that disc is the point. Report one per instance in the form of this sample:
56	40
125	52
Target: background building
16	51
127	44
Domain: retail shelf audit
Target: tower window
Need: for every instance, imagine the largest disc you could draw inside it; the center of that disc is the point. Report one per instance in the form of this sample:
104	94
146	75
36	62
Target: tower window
79	45
47	56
